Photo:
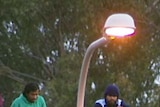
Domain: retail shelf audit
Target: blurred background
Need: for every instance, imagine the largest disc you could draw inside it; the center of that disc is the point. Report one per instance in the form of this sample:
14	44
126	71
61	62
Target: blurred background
45	41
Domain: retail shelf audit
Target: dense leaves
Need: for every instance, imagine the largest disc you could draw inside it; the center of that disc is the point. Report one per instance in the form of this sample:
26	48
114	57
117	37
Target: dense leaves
45	41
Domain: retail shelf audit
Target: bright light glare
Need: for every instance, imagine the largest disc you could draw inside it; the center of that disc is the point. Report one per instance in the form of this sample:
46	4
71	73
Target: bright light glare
118	31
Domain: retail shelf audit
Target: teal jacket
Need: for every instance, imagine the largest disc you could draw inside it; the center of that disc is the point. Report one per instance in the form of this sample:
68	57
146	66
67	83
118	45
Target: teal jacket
21	101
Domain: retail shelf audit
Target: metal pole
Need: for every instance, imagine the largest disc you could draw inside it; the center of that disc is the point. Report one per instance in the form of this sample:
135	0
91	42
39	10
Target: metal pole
84	69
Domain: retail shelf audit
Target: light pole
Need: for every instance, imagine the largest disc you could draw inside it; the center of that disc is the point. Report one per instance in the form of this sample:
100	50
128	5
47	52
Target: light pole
116	25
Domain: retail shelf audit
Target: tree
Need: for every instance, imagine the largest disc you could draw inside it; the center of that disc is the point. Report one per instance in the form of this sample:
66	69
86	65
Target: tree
45	41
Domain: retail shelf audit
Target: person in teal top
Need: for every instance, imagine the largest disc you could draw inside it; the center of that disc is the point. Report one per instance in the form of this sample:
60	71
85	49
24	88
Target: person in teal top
30	97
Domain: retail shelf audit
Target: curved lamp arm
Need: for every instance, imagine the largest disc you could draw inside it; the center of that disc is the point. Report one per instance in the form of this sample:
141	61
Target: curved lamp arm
84	69
116	25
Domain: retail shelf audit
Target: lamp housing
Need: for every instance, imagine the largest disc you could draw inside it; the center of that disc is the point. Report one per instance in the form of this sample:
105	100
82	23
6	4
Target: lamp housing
119	25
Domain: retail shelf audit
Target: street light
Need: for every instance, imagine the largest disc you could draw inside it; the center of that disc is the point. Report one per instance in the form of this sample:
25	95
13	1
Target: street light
119	25
116	25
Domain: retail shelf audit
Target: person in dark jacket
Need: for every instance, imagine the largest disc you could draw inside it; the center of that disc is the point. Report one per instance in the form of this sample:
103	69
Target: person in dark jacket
111	98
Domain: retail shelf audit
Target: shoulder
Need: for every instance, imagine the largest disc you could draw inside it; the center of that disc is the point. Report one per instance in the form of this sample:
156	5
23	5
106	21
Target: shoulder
16	101
97	105
124	104
41	98
100	100
100	103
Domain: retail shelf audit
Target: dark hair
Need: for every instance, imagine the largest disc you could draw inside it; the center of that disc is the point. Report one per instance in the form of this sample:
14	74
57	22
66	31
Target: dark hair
30	87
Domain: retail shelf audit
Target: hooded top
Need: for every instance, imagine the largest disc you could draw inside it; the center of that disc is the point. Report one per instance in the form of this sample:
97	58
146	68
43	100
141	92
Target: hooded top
21	101
111	90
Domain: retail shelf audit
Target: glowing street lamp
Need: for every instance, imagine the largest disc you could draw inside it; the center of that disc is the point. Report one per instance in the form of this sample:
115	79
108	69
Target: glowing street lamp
116	25
119	25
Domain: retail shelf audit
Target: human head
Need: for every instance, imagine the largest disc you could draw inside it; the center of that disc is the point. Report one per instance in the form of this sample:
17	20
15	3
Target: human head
31	91
111	94
112	90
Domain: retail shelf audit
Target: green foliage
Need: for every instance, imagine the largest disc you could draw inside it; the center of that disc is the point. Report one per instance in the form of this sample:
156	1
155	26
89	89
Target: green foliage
63	87
45	41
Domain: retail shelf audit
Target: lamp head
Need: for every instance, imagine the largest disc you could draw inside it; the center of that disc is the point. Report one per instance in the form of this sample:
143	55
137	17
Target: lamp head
119	25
